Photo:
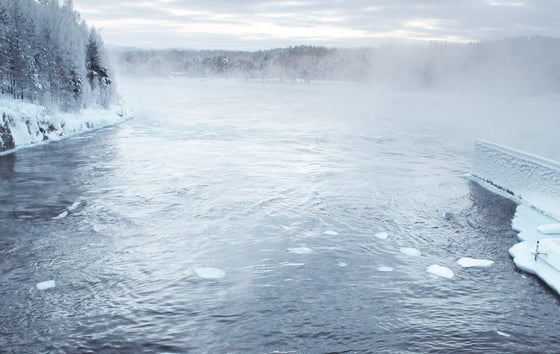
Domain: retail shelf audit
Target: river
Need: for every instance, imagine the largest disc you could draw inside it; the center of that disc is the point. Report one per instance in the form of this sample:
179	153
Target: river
242	217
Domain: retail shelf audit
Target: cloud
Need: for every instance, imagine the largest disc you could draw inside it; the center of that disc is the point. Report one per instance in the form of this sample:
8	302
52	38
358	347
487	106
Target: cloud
252	24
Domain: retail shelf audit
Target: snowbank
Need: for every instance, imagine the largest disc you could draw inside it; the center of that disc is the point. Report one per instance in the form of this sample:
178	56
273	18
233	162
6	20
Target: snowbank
25	124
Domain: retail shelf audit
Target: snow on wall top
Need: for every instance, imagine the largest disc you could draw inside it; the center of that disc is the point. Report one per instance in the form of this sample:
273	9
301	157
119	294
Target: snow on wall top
525	177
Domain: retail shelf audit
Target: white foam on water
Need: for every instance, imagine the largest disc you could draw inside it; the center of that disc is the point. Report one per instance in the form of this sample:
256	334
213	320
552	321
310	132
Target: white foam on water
440	271
61	215
49	284
382	235
300	250
385	269
503	334
467	262
409	251
74	206
209	273
331	233
342	264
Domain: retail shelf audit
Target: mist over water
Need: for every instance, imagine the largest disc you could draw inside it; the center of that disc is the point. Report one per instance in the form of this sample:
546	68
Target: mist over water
244	215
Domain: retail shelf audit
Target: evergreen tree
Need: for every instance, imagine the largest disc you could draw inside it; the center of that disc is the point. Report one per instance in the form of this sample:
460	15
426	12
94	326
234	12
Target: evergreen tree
46	53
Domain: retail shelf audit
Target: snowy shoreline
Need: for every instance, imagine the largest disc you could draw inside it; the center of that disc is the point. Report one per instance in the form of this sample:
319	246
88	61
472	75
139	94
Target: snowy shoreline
532	183
24	124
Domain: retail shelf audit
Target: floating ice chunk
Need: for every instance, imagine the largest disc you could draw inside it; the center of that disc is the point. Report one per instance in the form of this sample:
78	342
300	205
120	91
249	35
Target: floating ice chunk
331	233
467	262
440	271
342	264
382	235
49	284
413	252
549	229
385	269
503	334
300	250
61	215
209	273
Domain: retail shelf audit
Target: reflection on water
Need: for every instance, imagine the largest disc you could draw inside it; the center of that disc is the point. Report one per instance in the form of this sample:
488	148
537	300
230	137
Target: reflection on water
234	222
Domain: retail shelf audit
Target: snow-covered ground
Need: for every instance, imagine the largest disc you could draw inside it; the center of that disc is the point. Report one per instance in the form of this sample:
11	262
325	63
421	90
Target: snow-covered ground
534	183
25	124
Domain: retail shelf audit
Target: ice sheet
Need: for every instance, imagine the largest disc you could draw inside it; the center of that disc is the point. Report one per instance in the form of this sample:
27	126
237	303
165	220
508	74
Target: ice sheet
549	229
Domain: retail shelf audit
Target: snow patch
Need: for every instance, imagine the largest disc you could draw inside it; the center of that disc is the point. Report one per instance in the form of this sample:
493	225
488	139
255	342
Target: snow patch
467	262
45	285
209	273
440	271
413	252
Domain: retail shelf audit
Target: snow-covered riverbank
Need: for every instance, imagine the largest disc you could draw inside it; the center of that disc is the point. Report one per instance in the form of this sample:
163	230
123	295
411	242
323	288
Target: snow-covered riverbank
25	124
533	183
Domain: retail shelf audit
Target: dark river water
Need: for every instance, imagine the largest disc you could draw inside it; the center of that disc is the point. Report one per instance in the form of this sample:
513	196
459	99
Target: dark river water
234	217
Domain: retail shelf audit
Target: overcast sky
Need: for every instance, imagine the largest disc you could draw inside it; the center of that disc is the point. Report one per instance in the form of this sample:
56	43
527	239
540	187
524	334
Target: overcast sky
256	24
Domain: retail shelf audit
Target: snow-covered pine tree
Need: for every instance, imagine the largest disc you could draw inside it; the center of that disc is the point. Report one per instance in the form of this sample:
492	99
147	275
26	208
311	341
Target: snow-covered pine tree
44	55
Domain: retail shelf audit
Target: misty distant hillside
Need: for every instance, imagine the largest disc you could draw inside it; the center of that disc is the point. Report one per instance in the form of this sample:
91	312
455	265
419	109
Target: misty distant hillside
518	63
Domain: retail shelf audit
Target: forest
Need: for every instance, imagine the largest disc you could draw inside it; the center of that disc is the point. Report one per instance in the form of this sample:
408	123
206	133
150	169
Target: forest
527	63
50	56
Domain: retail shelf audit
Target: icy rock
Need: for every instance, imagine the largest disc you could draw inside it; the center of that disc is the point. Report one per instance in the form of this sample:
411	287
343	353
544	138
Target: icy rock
549	229
300	250
49	284
467	262
209	273
440	271
382	235
413	252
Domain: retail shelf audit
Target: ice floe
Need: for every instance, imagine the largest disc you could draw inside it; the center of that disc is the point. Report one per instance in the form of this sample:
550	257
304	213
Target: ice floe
331	233
209	273
409	251
467	262
45	285
385	269
440	271
382	235
300	250
342	264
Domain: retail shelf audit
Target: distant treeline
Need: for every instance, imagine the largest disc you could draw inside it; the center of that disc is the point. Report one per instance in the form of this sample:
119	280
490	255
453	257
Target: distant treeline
532	62
48	55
